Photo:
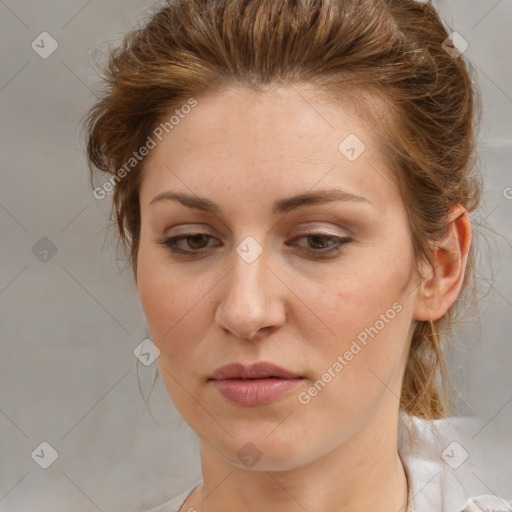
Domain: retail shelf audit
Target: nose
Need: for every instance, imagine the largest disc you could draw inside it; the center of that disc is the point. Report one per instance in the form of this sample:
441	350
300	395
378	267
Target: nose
252	300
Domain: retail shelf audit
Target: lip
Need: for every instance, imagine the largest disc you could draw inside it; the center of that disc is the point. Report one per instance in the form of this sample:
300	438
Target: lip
258	384
260	370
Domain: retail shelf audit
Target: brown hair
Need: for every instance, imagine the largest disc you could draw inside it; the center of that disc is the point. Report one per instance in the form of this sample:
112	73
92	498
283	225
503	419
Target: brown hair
389	53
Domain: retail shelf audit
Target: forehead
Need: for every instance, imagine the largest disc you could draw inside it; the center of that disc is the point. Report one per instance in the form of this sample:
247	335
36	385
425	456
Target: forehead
283	116
283	140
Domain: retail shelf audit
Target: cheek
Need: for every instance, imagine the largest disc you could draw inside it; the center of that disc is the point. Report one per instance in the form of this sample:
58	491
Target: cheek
169	312
171	308
175	306
356	298
162	297
366	317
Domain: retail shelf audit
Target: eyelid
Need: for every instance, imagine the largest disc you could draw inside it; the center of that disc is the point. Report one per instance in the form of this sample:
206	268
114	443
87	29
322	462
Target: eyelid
188	229
319	229
301	229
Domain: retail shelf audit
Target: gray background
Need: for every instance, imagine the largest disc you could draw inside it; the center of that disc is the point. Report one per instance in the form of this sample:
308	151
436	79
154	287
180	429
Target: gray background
69	325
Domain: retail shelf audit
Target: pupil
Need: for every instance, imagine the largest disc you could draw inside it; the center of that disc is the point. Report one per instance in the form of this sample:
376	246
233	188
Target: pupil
195	239
318	239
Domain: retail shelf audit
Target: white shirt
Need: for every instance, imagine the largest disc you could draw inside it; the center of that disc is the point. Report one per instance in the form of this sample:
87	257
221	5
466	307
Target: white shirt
439	466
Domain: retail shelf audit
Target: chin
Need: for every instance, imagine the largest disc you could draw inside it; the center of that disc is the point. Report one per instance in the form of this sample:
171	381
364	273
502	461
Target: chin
258	450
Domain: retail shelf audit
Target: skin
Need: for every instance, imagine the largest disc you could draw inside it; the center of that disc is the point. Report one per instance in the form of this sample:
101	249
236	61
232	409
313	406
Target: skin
243	150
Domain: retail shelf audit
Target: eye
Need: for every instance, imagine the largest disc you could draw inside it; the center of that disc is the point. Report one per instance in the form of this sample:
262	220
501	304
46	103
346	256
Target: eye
195	241
321	244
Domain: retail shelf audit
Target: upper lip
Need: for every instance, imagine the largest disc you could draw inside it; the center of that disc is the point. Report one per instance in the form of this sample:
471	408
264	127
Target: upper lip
258	370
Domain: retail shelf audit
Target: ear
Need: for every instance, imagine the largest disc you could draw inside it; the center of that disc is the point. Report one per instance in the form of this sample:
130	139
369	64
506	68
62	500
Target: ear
439	290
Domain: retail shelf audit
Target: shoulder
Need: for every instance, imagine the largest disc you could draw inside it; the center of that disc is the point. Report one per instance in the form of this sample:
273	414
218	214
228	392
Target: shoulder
174	504
442	459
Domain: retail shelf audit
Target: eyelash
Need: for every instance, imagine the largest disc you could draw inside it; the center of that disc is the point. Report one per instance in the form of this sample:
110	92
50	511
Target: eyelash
337	247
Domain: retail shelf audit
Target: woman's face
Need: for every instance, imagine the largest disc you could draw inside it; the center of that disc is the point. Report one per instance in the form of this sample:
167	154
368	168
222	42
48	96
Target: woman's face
323	289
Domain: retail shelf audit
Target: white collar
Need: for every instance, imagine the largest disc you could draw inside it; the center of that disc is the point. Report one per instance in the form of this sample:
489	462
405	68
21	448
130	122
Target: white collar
439	458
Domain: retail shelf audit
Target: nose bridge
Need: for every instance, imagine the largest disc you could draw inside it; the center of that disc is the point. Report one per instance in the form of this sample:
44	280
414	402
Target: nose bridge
250	270
249	301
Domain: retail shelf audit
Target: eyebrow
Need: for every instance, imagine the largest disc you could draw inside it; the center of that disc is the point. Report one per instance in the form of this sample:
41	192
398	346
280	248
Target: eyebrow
280	206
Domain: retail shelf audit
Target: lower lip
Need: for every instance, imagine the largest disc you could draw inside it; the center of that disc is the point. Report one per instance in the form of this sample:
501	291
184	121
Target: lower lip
254	392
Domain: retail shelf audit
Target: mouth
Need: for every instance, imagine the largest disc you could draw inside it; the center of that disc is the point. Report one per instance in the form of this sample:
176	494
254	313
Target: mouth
258	378
255	385
260	370
255	392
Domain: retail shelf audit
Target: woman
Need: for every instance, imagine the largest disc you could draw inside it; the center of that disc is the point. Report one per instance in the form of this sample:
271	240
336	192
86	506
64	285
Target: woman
293	180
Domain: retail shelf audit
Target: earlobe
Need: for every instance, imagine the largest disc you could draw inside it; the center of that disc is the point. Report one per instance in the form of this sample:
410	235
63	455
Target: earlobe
440	289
